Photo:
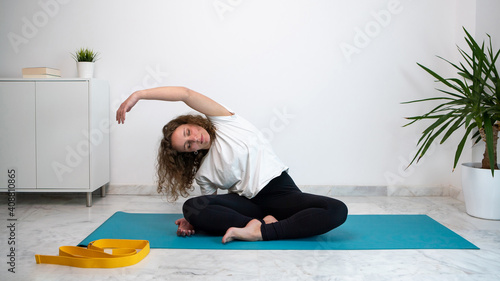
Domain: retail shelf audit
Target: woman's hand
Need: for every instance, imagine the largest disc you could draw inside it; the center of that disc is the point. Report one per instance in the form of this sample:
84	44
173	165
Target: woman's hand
185	228
126	106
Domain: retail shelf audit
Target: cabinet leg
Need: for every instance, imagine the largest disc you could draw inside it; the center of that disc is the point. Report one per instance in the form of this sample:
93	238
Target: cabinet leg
89	199
103	190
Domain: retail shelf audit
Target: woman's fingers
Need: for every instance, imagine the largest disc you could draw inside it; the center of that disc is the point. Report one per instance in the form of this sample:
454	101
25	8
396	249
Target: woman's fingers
120	114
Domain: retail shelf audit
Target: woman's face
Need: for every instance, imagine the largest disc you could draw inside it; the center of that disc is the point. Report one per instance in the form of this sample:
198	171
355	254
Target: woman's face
189	138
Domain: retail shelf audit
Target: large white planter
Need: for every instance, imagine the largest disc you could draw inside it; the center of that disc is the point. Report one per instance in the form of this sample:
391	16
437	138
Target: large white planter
481	191
85	69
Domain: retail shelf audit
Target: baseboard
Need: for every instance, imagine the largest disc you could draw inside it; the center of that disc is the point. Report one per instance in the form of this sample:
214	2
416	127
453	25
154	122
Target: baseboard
333	191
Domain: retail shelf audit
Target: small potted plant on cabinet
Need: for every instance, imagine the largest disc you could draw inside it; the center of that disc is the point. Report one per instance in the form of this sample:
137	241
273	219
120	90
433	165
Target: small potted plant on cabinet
85	59
470	106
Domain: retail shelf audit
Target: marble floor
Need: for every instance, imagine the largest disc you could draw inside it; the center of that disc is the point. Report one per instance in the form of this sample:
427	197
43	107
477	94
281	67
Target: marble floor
47	221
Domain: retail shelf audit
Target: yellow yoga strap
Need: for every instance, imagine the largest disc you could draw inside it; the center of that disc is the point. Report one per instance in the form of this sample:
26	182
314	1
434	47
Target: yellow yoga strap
124	254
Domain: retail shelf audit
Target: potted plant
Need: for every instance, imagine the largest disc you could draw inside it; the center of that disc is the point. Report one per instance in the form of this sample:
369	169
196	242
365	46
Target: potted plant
470	106
85	59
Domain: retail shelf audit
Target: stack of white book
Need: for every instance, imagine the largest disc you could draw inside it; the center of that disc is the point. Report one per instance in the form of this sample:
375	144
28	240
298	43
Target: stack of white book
41	72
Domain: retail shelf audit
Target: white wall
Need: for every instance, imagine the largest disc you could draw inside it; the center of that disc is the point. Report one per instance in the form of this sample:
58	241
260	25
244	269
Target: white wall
487	15
323	79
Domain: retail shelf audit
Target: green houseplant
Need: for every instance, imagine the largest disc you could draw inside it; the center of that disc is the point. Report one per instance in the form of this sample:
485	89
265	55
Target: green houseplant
85	59
470	106
85	55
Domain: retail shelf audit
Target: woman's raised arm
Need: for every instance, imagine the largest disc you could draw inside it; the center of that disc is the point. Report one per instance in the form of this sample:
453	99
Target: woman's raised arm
195	100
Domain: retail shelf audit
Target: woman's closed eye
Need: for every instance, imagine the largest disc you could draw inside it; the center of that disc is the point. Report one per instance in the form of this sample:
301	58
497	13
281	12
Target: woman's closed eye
187	133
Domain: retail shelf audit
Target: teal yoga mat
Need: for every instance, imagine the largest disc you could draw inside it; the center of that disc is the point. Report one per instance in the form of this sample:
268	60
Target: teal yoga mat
359	232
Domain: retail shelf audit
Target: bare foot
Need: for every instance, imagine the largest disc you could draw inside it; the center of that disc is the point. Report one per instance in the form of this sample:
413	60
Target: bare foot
251	232
184	227
270	219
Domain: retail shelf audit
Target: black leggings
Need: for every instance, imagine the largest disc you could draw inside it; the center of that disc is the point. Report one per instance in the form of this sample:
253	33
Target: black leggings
298	214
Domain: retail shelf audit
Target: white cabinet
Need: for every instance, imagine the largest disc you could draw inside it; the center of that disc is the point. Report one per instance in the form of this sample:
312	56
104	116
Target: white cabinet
54	135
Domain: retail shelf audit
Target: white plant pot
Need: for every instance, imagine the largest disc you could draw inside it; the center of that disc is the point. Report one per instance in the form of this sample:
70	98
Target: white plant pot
481	191
85	69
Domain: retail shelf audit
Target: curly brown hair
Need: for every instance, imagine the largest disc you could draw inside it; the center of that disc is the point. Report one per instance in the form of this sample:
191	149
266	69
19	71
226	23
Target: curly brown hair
176	170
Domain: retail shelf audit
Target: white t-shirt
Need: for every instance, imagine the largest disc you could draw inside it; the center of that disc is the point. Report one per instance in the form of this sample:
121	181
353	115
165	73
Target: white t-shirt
240	159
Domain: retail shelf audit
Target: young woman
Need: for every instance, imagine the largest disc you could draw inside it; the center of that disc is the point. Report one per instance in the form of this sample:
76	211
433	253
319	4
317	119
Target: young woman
224	151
